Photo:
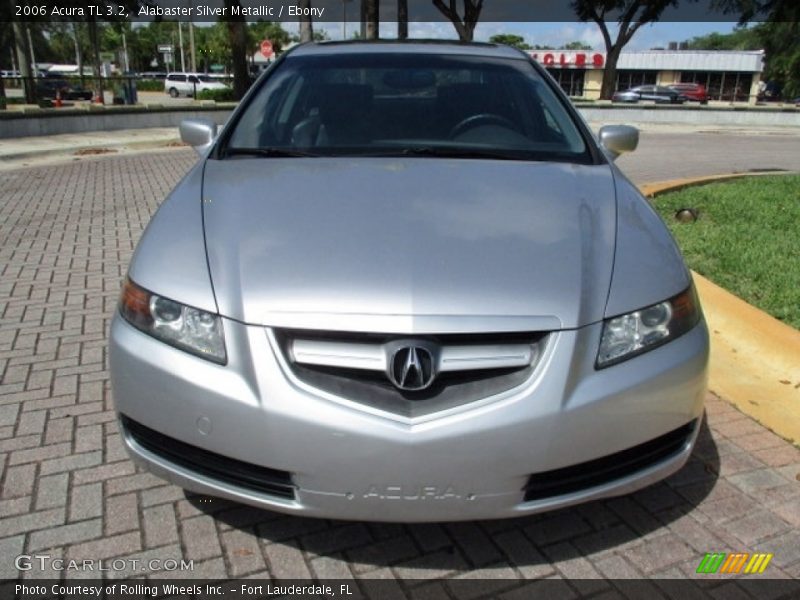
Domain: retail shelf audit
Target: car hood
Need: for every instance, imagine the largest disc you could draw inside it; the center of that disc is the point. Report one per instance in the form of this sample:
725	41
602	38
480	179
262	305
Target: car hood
409	245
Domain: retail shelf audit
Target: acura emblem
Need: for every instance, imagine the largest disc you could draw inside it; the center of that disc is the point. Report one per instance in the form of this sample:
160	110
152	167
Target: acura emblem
411	368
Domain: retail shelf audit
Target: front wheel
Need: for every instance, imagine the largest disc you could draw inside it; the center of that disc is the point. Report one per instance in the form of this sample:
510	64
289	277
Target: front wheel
173	93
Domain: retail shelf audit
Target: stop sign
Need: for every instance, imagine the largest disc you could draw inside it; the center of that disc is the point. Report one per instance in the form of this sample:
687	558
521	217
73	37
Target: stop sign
266	48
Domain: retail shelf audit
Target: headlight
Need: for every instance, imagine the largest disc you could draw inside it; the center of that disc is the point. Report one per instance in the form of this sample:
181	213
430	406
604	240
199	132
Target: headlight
184	327
633	333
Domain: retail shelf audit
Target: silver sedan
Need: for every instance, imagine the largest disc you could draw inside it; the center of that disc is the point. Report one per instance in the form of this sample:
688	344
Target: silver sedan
406	283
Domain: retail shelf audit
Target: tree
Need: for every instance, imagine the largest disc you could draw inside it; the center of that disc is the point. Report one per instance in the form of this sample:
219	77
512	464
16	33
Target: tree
267	30
740	38
510	39
576	45
213	45
632	15
402	19
755	10
371	10
779	35
465	27
94	37
306	27
237	36
5	42
24	60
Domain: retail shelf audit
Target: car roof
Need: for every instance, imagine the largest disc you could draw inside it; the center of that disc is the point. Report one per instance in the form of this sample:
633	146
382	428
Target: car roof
408	47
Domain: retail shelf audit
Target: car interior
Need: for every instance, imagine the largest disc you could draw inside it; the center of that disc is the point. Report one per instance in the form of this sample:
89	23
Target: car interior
391	108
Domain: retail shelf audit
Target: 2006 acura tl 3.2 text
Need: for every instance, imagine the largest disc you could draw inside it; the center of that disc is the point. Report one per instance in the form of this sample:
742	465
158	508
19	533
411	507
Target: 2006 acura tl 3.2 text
406	283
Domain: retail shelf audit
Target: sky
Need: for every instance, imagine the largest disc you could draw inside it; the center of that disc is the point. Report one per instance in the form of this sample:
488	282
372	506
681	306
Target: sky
544	34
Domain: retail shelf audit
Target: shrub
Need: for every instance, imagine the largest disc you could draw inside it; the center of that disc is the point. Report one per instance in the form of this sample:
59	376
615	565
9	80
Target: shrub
216	95
150	85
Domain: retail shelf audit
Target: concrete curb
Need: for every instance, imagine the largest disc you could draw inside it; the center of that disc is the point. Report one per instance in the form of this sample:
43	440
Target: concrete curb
165	144
754	357
651	190
67	147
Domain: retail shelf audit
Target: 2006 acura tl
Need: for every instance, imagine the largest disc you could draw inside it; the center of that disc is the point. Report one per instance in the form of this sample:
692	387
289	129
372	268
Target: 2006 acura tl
406	283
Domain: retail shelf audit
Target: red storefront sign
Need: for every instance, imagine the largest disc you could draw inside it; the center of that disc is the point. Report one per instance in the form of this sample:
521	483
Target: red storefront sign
594	60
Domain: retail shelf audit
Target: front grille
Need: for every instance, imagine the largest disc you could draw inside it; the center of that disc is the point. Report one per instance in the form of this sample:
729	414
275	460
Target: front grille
450	389
609	468
212	465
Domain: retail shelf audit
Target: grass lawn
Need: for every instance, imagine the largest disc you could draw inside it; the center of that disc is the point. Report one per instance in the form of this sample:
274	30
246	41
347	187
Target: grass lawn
746	239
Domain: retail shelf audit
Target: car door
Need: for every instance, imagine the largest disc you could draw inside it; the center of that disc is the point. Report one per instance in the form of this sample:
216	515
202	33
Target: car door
647	92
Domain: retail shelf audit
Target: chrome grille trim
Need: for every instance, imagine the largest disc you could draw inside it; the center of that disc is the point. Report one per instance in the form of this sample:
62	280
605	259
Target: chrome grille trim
338	354
373	357
315	365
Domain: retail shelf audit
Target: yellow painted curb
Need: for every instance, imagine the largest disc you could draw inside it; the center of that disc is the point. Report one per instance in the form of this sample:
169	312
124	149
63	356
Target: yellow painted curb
652	189
755	359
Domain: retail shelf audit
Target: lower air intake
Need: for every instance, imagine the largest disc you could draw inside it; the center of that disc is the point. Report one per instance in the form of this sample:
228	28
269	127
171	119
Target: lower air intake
609	468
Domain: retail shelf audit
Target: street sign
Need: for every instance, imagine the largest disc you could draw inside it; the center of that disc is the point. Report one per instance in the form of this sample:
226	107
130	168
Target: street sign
266	48
106	56
165	48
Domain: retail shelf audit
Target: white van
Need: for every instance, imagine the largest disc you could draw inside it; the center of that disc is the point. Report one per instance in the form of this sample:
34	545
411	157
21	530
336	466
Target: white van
189	84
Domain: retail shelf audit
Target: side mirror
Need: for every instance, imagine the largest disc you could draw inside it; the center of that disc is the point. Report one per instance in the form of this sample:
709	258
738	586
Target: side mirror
618	139
198	133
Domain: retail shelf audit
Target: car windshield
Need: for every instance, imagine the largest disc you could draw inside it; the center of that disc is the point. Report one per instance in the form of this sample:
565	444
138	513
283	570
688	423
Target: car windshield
386	104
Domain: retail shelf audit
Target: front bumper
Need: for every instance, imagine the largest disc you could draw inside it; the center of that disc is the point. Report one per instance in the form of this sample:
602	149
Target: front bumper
349	461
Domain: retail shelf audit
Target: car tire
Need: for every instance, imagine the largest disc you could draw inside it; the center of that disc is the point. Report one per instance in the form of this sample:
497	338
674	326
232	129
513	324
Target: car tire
173	93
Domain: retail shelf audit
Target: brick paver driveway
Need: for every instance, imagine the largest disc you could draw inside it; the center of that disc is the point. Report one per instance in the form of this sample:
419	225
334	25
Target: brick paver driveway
69	491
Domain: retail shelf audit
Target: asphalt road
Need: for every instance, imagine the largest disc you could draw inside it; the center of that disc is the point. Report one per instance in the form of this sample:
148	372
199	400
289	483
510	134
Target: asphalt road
662	155
68	490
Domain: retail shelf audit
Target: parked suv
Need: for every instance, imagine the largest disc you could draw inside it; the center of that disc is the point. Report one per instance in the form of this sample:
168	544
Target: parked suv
693	92
189	84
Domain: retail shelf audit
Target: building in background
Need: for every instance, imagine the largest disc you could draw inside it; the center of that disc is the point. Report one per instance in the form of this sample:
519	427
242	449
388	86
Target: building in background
728	76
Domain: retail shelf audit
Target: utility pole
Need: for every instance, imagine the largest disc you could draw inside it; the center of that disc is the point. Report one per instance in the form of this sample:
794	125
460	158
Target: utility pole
344	18
180	43
125	52
192	54
78	54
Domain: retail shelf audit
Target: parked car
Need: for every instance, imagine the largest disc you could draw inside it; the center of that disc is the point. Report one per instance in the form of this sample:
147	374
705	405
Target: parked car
771	91
153	75
652	93
189	84
417	288
694	92
48	87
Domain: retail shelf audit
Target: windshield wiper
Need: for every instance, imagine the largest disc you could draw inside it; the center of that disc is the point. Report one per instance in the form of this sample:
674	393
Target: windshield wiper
269	152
